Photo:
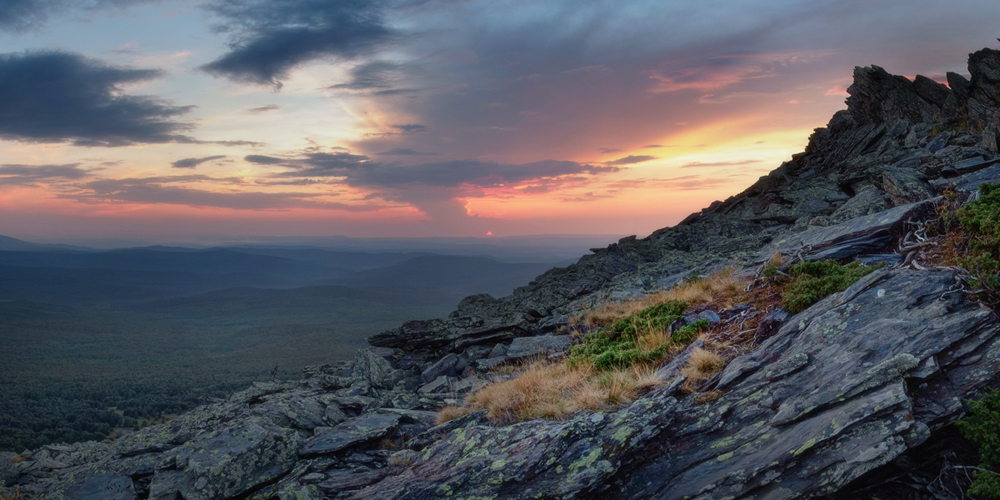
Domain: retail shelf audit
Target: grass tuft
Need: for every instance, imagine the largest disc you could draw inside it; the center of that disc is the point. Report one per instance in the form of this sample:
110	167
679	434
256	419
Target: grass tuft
551	390
13	496
722	287
451	412
702	365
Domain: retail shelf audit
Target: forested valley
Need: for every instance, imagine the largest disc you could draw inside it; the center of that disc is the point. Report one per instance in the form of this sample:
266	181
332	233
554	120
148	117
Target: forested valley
93	343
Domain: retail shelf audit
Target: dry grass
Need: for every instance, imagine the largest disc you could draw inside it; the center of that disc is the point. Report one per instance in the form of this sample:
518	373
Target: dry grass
14	496
452	412
777	259
543	389
554	391
701	365
722	287
707	397
653	339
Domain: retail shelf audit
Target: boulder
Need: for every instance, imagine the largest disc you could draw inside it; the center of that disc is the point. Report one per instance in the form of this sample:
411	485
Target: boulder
971	181
249	454
867	201
527	347
350	433
444	366
906	186
101	486
438	385
8	473
374	369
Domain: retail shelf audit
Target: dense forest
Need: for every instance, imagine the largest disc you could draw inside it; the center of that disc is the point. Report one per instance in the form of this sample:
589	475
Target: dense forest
91	342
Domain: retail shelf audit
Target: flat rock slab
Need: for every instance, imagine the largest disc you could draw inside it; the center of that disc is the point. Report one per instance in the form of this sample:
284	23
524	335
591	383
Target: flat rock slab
971	182
351	479
103	486
350	433
439	384
525	347
866	234
248	454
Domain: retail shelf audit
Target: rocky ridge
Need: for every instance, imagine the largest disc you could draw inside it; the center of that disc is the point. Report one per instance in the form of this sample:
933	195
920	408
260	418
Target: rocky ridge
842	390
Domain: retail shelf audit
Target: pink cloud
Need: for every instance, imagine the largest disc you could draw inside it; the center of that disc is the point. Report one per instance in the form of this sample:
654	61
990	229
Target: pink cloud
720	72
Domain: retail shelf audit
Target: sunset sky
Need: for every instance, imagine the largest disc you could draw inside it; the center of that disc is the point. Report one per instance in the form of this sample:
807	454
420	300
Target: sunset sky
160	119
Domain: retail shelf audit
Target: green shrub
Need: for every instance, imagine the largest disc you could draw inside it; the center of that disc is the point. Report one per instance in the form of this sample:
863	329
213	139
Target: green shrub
982	426
812	281
658	317
771	271
981	220
623	345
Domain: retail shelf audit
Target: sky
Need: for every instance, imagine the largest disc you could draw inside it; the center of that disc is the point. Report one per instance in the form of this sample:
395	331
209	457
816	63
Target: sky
420	118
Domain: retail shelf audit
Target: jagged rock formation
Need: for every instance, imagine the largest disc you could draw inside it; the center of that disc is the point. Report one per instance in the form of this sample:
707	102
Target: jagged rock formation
843	389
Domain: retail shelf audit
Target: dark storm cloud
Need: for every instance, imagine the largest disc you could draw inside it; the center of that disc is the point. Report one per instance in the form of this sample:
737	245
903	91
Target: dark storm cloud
268	38
23	15
194	162
64	97
405	152
359	170
159	190
29	174
631	160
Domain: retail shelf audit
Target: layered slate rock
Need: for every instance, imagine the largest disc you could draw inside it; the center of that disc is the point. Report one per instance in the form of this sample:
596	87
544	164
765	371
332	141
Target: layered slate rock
225	462
352	432
538	459
886	363
867	234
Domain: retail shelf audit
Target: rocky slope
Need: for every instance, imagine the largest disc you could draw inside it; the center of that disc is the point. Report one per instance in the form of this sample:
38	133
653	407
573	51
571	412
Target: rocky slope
841	395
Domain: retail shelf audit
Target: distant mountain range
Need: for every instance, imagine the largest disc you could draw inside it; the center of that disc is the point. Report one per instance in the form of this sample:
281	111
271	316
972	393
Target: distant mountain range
67	274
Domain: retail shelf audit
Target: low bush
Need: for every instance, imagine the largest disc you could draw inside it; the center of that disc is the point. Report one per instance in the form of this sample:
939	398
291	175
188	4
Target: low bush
981	221
812	281
982	426
641	338
722	288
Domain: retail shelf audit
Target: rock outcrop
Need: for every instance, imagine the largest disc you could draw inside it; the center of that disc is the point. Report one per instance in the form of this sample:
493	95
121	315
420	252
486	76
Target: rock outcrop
842	390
